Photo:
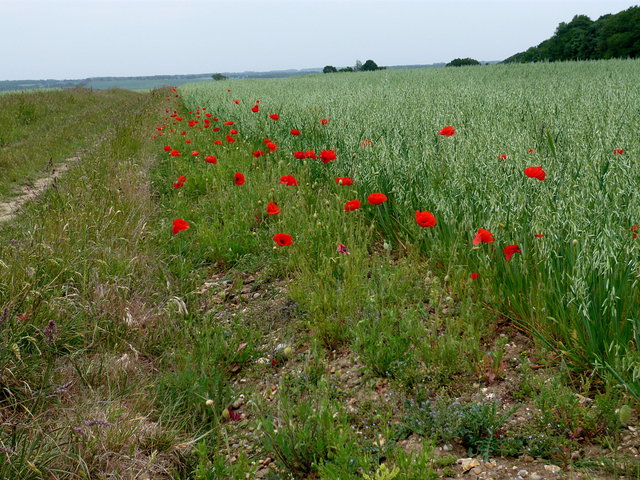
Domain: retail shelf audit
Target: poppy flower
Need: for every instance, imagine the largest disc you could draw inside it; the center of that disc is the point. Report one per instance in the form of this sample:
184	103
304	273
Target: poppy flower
299	155
328	156
502	156
195	153
324	121
238	178
187	141
310	154
352	205
192	122
425	219
227	123
539	235
282	239
258	153
228	91
376	198
510	250
346	181
342	249
474	276
255	109
274	116
208	115
295	132
216	129
230	139
211	159
530	150
618	151
272	209
183	133
237	102
180	182
175	153
266	140
483	236
535	172
217	142
635	229
233	131
167	148
447	131
216	119
288	180
272	147
179	225
366	143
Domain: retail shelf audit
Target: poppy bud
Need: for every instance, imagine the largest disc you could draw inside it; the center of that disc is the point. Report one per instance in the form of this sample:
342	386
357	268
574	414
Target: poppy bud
209	402
446	278
574	242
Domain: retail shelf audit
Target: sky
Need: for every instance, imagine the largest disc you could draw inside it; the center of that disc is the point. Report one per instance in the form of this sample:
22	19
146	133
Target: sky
71	39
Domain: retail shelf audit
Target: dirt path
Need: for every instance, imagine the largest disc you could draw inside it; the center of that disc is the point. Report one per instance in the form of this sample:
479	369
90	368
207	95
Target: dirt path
9	209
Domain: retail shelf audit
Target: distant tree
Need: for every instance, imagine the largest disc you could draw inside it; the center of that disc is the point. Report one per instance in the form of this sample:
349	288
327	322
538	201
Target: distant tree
369	66
346	69
461	62
329	69
358	66
219	76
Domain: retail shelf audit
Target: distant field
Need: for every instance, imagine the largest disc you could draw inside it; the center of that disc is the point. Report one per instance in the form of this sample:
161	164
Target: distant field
575	279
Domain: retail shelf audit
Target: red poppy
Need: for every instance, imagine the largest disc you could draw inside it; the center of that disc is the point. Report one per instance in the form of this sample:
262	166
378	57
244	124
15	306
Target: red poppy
217	142
211	159
425	219
342	249
447	131
346	181
233	131
328	156
237	102
272	147
258	153
266	140
195	153
535	172
539	235
483	236
228	91
216	119
216	129
295	132
192	122
179	225
366	143
183	133
282	239
180	182
255	109
272	209
227	123
474	276
352	205
238	178
175	153
299	155
167	148
187	141
509	251
530	150
635	229
324	121
230	139
502	156
207	115
274	116
376	198
618	151
288	180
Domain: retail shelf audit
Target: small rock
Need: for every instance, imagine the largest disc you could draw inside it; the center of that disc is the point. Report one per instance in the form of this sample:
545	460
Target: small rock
553	469
535	476
523	473
239	402
527	458
256	295
447	447
476	471
468	464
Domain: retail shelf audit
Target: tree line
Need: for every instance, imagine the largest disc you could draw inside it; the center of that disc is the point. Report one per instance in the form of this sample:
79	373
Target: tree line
611	36
368	66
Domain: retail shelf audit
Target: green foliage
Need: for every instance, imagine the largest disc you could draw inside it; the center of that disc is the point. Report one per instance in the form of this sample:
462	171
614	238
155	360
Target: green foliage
369	66
219	76
611	36
462	62
329	69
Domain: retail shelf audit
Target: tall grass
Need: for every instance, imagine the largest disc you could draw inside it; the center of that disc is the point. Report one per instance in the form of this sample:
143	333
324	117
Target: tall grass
576	287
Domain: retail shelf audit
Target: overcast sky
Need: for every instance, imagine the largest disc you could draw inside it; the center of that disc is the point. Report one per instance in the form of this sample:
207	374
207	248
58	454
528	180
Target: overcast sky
68	39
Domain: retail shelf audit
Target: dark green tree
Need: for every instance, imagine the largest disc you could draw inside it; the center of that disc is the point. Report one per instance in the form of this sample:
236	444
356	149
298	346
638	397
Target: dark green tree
219	76
329	69
369	66
461	62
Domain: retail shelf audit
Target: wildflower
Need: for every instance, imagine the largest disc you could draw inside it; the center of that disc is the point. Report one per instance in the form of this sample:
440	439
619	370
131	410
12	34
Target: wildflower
255	109
328	156
310	154
425	219
258	153
175	153
539	235
376	198
483	236
346	181
282	239
342	249
474	276
238	178
510	250
366	143
179	225
274	116
618	151
195	153
352	205
167	148
227	123
180	182
288	180
324	121
272	209
299	155
502	156
211	159
217	142
447	131
233	131
530	150
635	229
230	139
295	132
535	172
237	102
272	147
